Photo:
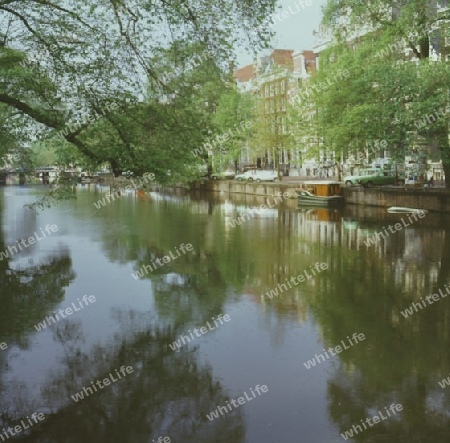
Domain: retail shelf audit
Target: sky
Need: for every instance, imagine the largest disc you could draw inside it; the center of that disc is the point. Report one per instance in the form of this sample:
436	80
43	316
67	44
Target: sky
295	29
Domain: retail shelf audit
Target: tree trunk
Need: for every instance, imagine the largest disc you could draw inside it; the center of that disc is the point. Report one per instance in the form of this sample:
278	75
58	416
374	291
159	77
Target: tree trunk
277	160
115	169
210	169
338	168
446	166
445	156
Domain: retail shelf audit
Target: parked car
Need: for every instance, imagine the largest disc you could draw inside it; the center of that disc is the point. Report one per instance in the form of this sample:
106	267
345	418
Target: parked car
245	175
258	176
374	176
223	175
350	180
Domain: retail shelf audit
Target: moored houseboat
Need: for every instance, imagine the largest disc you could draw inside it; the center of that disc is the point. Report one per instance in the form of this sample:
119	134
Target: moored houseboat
320	193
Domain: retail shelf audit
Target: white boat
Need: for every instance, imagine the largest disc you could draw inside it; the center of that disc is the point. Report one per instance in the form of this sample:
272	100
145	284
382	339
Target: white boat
404	210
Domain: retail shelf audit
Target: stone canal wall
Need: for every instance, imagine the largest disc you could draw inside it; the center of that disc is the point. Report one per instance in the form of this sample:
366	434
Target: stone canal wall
235	187
436	200
432	199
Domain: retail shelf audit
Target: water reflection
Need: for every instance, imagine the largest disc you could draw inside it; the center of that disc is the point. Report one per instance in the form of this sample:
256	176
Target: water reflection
29	293
364	290
168	392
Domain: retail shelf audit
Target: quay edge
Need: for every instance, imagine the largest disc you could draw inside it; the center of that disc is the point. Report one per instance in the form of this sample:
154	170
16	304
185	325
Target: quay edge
262	189
431	199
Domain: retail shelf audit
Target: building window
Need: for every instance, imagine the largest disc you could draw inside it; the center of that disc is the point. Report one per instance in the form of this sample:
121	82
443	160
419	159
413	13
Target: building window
266	90
283	86
283	104
276	88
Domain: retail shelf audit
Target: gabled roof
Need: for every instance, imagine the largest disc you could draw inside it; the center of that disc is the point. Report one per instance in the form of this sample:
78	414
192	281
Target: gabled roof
244	74
283	58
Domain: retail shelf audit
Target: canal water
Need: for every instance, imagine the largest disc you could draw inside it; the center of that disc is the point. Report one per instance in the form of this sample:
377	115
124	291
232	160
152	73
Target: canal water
293	322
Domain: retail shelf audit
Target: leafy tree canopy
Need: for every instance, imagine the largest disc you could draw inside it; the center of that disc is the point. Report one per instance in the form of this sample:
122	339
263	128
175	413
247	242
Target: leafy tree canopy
80	71
234	121
395	91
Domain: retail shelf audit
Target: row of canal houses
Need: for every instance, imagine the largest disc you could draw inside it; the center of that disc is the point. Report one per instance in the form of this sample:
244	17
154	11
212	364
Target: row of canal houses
278	78
275	79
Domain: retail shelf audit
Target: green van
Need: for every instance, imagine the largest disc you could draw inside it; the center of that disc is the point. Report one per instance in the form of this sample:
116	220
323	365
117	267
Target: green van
374	177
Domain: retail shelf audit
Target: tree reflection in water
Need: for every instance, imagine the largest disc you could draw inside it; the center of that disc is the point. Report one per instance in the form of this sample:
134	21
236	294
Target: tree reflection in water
168	393
28	294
